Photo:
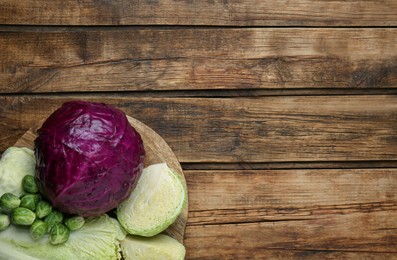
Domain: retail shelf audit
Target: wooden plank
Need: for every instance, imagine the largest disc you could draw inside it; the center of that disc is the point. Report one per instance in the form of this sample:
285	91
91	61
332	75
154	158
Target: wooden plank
230	13
265	129
280	254
292	214
252	196
197	59
244	241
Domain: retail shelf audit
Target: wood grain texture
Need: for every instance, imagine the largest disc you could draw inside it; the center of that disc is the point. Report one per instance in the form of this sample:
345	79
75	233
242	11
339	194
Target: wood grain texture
213	12
234	87
156	151
265	129
280	254
197	59
292	214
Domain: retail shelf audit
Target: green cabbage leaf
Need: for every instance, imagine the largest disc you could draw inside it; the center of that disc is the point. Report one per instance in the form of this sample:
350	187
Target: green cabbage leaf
15	163
97	239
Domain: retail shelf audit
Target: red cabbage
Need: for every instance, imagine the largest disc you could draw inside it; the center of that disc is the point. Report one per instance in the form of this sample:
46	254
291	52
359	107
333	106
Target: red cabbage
89	158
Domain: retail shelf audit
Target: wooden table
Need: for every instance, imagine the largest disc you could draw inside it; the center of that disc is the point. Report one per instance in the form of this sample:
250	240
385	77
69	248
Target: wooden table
282	113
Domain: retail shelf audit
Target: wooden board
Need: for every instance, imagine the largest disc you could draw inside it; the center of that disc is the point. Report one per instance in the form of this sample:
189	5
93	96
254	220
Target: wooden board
92	60
292	214
157	151
233	130
211	12
282	113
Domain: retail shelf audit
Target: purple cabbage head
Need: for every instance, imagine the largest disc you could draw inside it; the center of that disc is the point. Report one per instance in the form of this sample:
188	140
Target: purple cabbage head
89	158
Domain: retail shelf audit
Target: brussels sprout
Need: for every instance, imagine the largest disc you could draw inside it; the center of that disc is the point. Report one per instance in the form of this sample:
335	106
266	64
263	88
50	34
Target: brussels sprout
30	201
55	217
38	229
29	184
4	221
9	201
22	216
43	208
74	223
59	234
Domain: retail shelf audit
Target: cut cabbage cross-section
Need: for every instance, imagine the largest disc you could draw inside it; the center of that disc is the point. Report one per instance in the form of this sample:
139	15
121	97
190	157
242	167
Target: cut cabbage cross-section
160	247
155	203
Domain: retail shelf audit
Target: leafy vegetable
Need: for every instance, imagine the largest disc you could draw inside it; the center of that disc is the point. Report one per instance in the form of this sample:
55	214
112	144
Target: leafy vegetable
154	248
29	184
9	201
15	163
43	208
14	254
97	239
38	229
59	234
4	221
121	233
55	217
22	216
89	158
30	201
155	203
74	223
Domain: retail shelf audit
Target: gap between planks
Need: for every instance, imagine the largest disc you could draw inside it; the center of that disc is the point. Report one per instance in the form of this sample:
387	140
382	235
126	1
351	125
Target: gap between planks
214	93
73	28
291	165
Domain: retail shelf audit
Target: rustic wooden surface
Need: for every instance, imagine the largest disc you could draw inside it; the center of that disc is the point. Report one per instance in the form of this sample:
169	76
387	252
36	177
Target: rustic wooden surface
283	114
210	12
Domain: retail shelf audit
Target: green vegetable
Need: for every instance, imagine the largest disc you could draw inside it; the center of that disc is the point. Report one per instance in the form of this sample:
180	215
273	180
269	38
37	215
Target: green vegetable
14	165
55	217
59	234
22	216
97	239
155	203
154	248
38	229
30	201
14	254
9	201
121	233
4	221
29	184
74	223
43	208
